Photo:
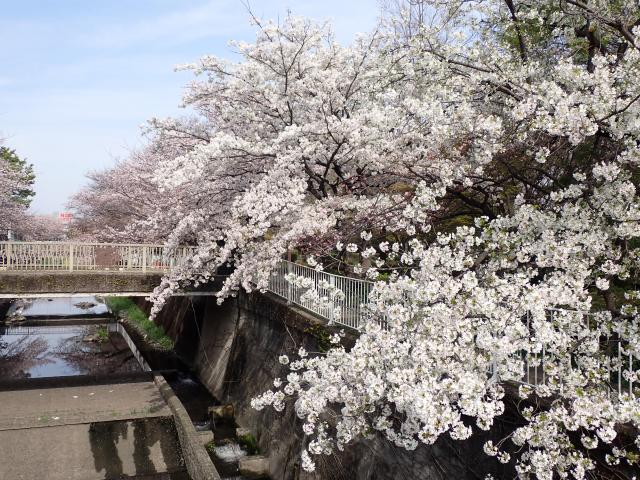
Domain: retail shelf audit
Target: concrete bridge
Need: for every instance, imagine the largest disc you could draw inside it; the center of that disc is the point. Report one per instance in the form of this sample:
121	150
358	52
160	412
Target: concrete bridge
49	269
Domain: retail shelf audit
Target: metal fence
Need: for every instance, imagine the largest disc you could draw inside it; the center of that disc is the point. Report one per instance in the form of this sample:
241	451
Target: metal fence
346	309
616	357
60	256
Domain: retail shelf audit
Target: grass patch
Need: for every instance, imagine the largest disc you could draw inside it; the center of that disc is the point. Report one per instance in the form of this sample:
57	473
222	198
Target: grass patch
322	336
126	308
102	335
249	443
211	447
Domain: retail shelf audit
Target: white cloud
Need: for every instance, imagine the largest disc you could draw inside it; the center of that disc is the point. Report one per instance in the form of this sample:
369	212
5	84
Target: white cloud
214	18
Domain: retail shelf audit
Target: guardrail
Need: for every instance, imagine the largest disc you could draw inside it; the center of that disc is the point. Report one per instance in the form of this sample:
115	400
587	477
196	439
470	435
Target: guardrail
347	310
61	256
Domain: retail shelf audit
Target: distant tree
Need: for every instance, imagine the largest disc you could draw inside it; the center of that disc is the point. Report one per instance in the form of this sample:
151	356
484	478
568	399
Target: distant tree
41	228
24	192
16	178
16	193
120	203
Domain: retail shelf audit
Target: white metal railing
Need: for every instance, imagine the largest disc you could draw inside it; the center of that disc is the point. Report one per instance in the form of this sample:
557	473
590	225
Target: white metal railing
617	359
348	311
68	256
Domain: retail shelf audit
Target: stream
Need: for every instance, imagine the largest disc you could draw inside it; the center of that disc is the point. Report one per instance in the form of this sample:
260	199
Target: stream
226	450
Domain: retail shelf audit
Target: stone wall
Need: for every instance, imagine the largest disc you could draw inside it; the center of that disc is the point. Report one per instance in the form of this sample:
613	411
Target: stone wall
239	343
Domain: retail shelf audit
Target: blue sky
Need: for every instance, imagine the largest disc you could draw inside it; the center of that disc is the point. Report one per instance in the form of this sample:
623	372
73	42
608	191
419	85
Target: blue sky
80	77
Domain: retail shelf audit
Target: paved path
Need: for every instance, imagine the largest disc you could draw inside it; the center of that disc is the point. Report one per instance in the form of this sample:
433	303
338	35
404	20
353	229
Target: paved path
88	433
73	405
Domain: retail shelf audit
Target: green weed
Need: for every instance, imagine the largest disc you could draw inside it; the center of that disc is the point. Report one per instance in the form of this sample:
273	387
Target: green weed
249	443
102	334
126	308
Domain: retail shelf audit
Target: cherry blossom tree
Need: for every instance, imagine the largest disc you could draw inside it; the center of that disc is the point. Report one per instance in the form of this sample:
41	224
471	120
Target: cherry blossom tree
47	228
477	160
120	202
308	135
556	220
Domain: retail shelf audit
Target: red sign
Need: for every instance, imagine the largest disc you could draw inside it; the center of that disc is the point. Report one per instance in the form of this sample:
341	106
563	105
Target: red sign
66	217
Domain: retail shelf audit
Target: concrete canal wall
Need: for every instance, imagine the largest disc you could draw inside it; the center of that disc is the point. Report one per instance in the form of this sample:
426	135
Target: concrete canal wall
234	347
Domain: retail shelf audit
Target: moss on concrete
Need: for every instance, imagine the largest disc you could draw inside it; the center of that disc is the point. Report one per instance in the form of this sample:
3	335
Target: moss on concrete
127	310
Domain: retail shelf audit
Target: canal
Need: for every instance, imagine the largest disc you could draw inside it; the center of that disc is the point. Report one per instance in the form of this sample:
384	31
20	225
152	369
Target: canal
76	401
68	372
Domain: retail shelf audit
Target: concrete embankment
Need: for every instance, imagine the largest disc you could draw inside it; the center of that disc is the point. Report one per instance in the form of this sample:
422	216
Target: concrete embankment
234	347
196	458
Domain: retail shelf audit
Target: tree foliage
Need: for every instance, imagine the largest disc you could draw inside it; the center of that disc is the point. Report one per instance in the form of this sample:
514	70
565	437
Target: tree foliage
16	180
24	192
479	161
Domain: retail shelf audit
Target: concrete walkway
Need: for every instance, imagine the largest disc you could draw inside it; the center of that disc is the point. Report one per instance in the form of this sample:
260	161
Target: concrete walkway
91	432
86	404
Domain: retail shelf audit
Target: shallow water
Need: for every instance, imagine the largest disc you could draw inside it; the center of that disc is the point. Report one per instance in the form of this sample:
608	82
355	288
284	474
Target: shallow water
53	351
59	307
231	452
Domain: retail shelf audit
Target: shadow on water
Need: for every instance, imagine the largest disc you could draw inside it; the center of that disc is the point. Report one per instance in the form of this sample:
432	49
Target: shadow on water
144	448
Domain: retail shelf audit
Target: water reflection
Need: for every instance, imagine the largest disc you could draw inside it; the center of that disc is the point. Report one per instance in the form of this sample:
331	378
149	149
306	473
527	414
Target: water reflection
20	356
58	307
62	351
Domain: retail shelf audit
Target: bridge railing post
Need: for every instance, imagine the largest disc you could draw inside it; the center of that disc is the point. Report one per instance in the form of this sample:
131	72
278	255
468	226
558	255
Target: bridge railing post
332	296
290	287
144	259
71	257
9	254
